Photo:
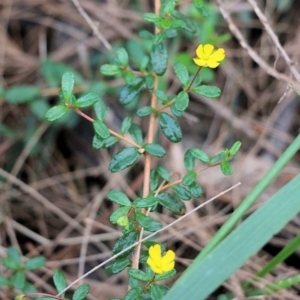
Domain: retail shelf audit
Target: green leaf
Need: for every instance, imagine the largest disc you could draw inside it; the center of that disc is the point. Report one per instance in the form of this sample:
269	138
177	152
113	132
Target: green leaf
188	24
14	255
56	112
101	129
170	127
162	96
189	178
18	279
118	197
235	148
136	133
159	59
10	263
100	109
129	92
164	173
217	158
145	111
149	82
172	202
123	222
156	292
195	189
200	155
226	168
182	192
166	275
67	85
182	101
4	281
120	212
144	64
145	202
199	5
122	56
155	150
177	113
35	263
147	223
87	100
21	94
124	242
129	77
118	266
29	288
189	160
151	17
81	292
171	33
169	6
99	142
182	74
139	275
59	280
146	35
207	91
154	180
126	124
134	293
110	70
124	159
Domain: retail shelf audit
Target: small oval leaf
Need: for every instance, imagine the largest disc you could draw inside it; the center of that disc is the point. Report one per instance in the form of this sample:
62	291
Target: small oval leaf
155	150
182	73
101	129
81	292
207	91
118	197
182	101
59	280
170	127
172	202
67	85
159	59
56	112
87	100
147	223
123	159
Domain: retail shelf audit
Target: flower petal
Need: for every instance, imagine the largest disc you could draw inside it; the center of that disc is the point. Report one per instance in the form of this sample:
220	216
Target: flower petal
199	51
155	252
200	62
207	50
218	55
211	63
154	267
168	257
168	267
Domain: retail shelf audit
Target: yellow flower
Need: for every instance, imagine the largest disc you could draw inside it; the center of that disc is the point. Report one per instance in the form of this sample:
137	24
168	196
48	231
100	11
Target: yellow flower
158	263
207	57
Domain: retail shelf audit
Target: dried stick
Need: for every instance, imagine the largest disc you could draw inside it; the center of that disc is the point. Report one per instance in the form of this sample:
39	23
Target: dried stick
266	67
92	25
274	39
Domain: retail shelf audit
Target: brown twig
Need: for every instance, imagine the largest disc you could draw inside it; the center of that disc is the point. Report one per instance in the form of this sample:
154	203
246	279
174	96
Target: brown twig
92	25
239	36
147	165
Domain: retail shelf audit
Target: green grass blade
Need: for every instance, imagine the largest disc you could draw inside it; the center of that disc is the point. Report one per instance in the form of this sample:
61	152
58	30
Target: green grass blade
205	275
252	197
275	287
290	248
